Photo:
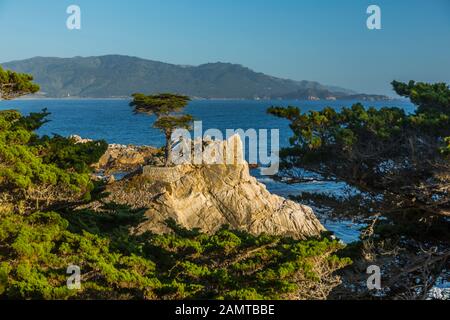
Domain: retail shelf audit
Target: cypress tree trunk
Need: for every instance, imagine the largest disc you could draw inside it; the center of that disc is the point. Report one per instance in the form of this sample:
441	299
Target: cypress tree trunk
168	153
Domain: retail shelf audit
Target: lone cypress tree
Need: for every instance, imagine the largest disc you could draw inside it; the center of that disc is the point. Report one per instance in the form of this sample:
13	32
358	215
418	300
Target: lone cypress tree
164	106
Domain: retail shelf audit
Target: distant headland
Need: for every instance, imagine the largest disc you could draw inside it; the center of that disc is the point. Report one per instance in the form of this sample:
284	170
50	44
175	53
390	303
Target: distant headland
118	76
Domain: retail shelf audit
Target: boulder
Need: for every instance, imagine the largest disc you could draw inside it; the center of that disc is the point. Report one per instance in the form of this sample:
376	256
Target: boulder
125	158
120	157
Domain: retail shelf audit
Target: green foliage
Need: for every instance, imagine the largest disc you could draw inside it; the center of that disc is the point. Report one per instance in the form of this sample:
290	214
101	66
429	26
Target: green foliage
113	222
430	98
160	104
21	167
33	121
168	123
30	166
218	266
37	249
446	149
13	85
322	130
395	157
68	155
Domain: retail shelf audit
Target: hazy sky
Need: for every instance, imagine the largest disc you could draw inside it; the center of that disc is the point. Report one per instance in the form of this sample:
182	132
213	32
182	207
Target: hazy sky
322	40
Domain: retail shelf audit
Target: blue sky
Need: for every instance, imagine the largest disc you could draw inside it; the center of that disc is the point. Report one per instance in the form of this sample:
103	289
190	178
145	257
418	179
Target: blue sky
322	40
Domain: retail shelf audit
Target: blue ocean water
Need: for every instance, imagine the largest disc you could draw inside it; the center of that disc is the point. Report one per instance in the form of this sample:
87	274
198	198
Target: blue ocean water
114	121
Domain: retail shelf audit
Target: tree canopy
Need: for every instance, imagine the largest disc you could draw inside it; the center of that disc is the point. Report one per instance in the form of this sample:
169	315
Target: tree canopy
399	160
397	166
34	168
14	85
430	98
36	250
159	104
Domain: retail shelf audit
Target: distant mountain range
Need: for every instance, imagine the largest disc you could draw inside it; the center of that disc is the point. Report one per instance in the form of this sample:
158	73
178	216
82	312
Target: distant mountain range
117	76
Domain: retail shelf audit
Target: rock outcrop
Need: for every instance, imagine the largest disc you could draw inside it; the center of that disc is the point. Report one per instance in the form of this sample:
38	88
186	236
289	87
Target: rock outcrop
209	196
122	158
125	157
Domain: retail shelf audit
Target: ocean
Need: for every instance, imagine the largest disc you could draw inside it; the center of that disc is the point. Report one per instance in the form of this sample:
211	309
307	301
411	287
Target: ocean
114	121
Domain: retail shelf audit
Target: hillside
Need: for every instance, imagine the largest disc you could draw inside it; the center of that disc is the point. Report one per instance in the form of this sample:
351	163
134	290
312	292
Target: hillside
119	76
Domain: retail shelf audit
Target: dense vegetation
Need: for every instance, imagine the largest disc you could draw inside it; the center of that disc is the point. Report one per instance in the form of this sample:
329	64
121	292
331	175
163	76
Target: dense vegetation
381	151
13	84
44	183
36	250
397	164
34	169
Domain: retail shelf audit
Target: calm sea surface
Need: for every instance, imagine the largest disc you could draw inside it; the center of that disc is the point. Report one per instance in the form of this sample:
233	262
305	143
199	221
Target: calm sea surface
113	121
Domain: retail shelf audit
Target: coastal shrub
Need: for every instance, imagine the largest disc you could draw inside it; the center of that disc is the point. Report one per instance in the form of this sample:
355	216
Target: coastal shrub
68	155
37	249
398	160
14	85
42	168
231	260
395	166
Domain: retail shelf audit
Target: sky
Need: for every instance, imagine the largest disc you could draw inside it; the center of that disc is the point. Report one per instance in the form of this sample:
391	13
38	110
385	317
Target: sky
321	40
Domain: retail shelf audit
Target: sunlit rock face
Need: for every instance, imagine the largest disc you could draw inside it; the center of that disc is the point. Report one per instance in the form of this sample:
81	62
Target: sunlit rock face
208	196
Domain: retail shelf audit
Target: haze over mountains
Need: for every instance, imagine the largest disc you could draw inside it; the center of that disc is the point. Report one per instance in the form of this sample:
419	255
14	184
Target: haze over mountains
117	76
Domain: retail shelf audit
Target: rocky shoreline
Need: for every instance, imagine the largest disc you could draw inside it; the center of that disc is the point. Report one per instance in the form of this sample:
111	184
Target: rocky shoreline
201	196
